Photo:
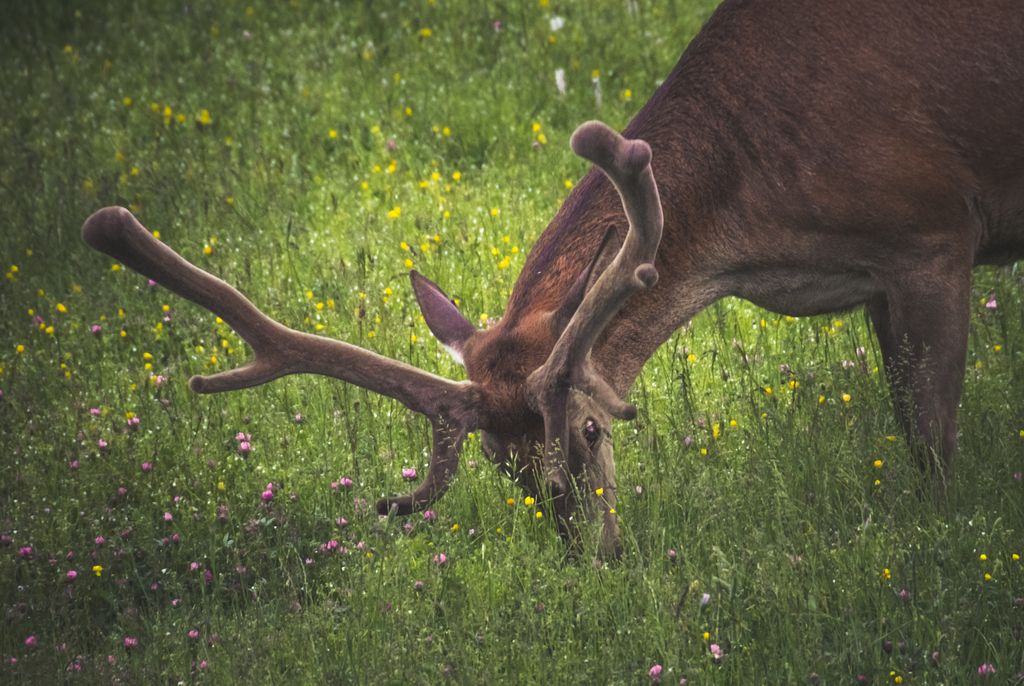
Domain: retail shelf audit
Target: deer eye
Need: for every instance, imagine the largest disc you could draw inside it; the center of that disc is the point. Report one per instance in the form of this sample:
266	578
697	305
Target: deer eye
591	432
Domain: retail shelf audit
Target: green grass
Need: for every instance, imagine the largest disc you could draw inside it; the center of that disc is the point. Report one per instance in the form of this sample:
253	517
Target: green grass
803	546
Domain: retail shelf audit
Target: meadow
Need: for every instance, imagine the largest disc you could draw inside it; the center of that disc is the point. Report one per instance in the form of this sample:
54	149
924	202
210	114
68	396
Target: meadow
312	153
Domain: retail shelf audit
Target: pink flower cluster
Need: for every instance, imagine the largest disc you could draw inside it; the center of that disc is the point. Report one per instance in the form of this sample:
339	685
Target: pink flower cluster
268	494
244	444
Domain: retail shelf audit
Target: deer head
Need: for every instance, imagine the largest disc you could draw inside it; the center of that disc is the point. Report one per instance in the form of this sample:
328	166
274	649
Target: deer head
545	414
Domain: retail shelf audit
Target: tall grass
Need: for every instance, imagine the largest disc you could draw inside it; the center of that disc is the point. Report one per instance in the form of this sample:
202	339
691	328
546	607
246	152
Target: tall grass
311	153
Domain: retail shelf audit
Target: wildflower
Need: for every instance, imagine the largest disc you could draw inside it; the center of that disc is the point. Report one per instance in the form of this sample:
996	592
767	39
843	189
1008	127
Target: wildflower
540	515
846	397
430	516
72	575
885	574
529	501
672	556
30	642
408	474
194	635
655	673
440	560
99	541
25	552
705	600
716	651
130	643
878	464
424	32
168	517
97	570
986	668
268	495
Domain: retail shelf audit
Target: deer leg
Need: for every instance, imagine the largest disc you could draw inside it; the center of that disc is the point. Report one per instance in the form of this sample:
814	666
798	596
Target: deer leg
922	325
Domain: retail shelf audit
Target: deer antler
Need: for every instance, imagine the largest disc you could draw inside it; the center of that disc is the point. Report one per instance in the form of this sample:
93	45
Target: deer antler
278	351
628	165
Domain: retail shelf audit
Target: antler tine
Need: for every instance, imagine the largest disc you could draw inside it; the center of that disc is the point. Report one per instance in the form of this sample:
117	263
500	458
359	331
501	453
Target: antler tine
279	351
628	164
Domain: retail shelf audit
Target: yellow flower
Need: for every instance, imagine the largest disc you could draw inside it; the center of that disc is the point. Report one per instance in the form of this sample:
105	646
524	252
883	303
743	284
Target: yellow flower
821	399
204	117
388	291
1016	556
768	391
456	176
494	212
703	451
529	501
691	358
115	267
599	491
61	308
878	463
330	304
627	93
20	348
220	485
707	636
540	515
541	138
714	431
568	183
207	249
885	574
455	527
97	570
332	134
371	334
231	201
127	103
408	264
213	359
511	501
877	482
898	680
998	348
988	577
483	317
424	32
983	557
794	384
732	422
67	49
395	213
446	131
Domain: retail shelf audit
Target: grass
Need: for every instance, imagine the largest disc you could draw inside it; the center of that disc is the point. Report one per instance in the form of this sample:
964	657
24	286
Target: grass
342	144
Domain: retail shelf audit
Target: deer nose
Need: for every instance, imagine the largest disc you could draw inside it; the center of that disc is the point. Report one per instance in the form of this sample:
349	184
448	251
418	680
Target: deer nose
556	483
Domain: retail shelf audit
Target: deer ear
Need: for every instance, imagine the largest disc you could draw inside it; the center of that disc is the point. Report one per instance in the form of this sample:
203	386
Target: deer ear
606	252
441	315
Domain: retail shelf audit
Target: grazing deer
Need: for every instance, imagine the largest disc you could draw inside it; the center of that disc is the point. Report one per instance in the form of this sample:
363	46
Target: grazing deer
813	156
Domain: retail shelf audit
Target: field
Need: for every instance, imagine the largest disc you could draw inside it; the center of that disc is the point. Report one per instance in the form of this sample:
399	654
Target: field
311	153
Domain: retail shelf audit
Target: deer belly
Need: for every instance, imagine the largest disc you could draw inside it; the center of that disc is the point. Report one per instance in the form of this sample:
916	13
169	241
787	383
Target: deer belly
804	294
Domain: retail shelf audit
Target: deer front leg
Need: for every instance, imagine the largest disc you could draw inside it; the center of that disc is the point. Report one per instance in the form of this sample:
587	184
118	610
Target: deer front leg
922	324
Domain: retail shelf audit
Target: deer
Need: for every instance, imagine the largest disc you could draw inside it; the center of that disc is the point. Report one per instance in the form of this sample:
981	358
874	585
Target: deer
809	157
